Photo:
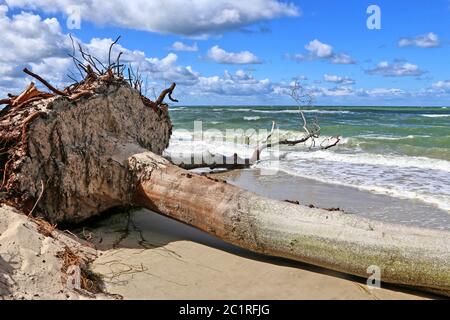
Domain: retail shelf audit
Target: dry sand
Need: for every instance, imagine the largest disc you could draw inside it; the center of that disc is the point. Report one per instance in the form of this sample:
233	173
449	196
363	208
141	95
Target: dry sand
147	256
29	264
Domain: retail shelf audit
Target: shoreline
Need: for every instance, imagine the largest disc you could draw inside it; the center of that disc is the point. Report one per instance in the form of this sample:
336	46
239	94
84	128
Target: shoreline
283	186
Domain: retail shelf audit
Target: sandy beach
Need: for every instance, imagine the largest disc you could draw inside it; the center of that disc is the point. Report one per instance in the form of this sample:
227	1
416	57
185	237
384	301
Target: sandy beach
158	258
143	255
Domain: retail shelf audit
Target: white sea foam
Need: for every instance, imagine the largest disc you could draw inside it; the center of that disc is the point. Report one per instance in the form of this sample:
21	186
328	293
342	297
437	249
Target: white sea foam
374	159
232	109
252	118
305	111
378	137
436	115
178	108
419	178
424	181
287	111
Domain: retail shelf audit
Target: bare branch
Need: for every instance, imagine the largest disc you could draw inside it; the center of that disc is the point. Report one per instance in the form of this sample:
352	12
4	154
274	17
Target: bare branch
110	49
165	92
48	85
118	63
75	60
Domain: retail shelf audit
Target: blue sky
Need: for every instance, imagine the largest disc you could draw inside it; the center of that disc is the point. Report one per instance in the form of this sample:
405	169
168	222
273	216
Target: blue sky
234	52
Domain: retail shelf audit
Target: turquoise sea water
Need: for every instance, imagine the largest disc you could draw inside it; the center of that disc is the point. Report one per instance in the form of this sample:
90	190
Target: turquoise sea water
399	151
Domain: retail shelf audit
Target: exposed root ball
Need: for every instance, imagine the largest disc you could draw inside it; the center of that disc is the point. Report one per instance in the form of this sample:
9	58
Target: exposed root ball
64	155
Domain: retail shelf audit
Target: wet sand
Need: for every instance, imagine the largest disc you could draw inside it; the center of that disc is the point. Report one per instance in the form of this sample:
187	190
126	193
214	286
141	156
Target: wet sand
352	200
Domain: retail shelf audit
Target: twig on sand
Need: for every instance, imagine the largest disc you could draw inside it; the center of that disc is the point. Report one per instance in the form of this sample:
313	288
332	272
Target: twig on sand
38	199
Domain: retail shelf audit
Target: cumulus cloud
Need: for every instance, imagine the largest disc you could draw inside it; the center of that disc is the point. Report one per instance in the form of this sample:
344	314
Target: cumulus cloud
27	40
193	18
338	79
429	40
440	87
237	84
386	92
219	55
396	69
349	92
49	59
180	46
318	50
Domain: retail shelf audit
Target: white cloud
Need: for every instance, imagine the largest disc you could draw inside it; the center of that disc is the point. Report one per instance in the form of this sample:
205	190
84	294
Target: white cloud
429	40
347	91
25	36
180	46
390	92
53	64
188	18
338	79
442	85
335	92
396	69
157	69
219	55
439	87
318	50
238	84
27	40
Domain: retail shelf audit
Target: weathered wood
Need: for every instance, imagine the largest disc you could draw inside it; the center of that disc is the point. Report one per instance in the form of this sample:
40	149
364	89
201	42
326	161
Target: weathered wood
165	92
334	240
44	82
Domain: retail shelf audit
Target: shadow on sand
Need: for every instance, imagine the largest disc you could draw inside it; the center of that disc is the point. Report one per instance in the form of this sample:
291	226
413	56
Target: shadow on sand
144	229
5	272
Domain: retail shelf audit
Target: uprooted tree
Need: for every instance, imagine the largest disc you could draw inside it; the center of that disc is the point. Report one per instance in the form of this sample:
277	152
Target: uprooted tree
71	154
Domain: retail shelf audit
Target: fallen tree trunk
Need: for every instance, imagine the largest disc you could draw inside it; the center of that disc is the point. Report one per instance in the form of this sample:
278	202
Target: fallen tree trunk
334	240
206	159
69	158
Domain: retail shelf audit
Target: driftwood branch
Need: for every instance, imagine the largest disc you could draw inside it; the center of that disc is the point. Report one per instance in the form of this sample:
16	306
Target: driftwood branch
44	82
110	50
165	92
311	132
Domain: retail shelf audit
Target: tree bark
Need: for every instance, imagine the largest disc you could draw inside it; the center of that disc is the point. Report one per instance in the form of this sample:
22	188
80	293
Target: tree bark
334	240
